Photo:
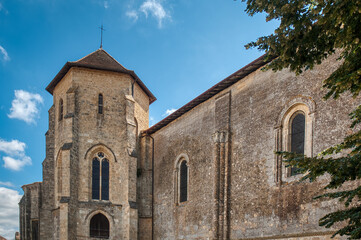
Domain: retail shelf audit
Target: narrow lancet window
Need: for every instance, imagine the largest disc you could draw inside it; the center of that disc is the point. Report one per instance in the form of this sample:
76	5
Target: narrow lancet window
105	179
100	177
96	179
100	104
183	182
99	226
298	125
61	109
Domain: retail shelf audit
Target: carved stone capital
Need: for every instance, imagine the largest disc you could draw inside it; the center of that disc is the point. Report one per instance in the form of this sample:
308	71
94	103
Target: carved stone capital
220	137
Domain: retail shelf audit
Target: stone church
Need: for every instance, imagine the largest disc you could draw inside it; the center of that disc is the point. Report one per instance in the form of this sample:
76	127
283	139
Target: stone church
207	171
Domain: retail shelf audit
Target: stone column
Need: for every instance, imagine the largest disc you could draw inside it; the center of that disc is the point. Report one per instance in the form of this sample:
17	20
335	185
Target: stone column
278	158
222	148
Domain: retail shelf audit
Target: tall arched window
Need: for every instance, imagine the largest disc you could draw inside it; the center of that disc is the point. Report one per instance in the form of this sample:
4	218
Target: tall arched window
99	226
61	109
100	177
96	179
183	182
294	133
100	103
297	136
105	179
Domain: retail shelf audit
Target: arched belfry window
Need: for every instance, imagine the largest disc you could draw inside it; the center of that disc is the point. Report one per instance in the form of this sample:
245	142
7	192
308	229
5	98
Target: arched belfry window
61	109
99	226
100	103
297	136
100	177
183	182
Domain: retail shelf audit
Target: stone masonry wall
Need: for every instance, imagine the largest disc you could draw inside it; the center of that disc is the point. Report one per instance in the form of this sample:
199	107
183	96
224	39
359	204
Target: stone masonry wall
81	134
48	185
30	210
230	139
190	135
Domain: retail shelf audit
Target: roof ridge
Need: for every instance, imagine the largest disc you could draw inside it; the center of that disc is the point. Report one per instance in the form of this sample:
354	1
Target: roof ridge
114	59
85	56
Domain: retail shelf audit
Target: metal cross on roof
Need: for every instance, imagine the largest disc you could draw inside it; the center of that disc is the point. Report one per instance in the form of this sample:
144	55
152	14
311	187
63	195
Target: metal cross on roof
101	36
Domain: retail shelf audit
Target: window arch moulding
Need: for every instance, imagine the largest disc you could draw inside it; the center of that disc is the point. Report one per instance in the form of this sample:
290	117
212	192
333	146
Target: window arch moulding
109	157
181	187
91	214
300	104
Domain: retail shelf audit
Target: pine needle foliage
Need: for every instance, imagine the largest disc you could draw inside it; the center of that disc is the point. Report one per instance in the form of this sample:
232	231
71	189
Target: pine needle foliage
309	32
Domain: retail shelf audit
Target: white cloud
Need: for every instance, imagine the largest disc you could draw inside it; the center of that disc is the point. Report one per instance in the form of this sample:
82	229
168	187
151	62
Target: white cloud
13	148
154	8
169	112
132	14
4	52
6	184
9	212
25	106
16	158
16	164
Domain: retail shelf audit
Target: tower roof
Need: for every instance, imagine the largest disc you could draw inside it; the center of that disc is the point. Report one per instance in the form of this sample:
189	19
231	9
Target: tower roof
99	60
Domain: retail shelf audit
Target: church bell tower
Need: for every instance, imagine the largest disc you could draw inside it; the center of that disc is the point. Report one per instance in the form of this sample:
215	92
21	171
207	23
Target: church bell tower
90	170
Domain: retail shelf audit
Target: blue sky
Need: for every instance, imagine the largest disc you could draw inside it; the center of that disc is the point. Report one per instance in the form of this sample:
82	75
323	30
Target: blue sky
179	48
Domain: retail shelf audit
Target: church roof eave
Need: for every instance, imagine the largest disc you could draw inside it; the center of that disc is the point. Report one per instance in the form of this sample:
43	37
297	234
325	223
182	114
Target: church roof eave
94	63
225	83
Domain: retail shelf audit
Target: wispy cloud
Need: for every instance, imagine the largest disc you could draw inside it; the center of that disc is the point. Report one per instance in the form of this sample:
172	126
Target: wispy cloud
106	4
3	9
4	53
169	112
16	158
152	8
9	212
6	184
151	121
132	14
25	106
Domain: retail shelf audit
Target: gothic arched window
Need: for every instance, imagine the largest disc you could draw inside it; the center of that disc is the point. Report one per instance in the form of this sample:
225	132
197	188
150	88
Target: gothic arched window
105	179
297	136
99	226
100	177
100	103
96	179
183	182
61	109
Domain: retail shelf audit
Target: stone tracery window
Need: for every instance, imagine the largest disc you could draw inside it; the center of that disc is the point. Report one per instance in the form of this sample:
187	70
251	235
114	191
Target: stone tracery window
100	177
99	226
